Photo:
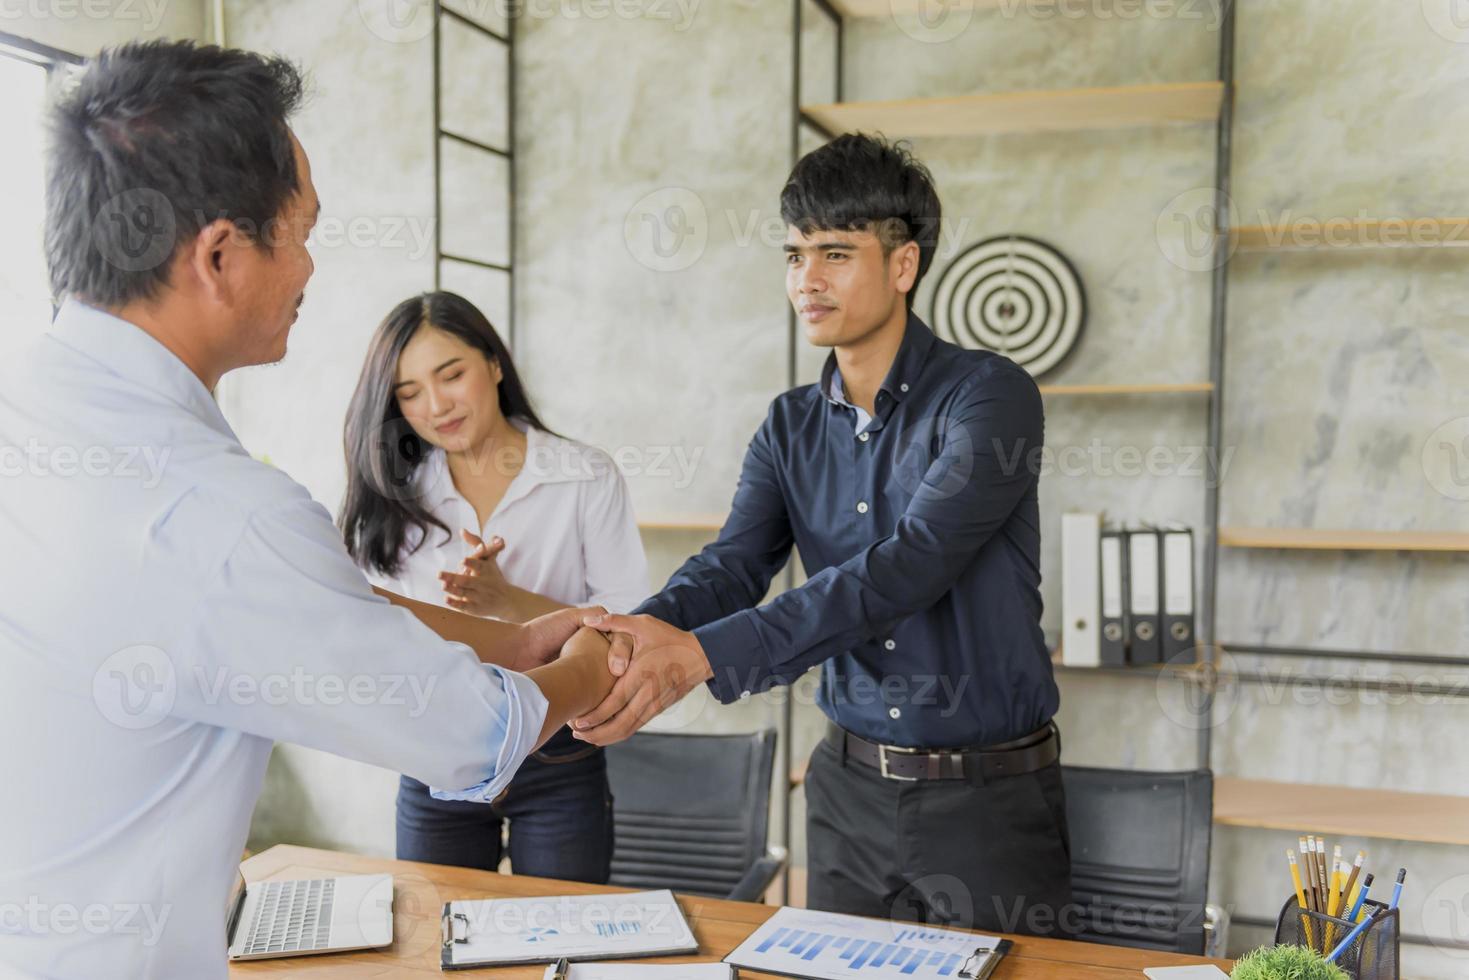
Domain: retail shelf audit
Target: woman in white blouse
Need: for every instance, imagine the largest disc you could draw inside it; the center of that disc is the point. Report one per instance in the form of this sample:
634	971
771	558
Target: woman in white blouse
457	493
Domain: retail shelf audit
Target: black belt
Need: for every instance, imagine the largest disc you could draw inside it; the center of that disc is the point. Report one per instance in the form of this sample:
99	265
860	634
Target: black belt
1037	750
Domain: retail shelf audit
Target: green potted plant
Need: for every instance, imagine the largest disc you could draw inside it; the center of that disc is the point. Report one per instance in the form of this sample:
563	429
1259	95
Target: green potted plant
1286	963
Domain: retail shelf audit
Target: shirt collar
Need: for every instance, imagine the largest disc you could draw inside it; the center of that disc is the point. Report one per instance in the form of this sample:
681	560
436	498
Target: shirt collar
548	459
913	353
131	353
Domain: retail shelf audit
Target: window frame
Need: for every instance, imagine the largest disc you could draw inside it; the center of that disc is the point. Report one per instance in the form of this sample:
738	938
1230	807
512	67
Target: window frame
44	55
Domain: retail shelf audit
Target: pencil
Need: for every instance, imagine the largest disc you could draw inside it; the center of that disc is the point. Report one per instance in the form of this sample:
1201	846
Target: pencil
1336	878
1351	937
1361	898
1295	877
1308	852
1327	876
1346	891
1316	896
1334	900
1321	870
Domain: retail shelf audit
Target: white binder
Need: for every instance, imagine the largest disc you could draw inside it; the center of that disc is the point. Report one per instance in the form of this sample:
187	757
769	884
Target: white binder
1080	590
1178	595
1145	578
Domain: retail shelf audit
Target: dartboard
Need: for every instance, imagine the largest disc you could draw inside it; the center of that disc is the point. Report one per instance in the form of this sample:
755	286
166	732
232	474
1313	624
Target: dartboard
1014	295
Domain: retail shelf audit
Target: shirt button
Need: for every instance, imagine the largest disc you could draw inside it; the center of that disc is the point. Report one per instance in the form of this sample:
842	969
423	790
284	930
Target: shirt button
862	437
903	387
889	645
862	507
894	714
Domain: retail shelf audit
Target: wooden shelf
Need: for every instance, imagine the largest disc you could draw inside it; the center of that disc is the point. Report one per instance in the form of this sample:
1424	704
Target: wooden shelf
1027	112
1313	539
889	8
1336	810
685	522
1192	387
1342	811
1353	233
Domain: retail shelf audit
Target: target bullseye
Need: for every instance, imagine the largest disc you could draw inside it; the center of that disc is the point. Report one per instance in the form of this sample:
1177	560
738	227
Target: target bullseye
1014	295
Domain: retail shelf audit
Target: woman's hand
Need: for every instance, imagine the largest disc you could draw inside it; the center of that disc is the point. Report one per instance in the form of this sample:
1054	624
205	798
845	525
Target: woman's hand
479	587
541	641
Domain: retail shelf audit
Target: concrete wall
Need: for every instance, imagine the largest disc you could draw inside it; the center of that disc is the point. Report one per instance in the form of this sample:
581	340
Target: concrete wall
81	27
368	130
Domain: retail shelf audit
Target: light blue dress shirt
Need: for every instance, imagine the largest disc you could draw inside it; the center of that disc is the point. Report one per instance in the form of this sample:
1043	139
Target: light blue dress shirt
838	394
172	607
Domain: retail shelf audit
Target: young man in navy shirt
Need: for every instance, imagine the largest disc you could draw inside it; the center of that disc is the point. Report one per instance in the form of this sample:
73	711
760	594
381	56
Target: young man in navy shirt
906	478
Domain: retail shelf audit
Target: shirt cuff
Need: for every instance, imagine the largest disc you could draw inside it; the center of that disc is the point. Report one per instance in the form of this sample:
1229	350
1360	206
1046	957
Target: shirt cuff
519	729
736	656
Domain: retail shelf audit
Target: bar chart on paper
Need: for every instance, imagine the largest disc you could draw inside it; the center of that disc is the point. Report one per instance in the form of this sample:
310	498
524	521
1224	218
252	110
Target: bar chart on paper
801	943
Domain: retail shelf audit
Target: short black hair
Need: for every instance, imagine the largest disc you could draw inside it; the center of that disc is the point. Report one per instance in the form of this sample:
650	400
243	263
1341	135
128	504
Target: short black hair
155	141
859	182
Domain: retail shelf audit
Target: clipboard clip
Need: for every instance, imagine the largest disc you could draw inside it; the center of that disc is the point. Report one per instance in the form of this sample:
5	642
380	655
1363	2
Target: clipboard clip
446	927
970	967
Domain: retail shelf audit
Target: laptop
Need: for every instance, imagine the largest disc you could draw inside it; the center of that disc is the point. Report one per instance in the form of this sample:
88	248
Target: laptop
310	915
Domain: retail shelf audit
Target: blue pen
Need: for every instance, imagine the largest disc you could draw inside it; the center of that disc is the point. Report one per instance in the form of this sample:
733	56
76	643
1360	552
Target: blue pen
1351	937
1397	893
1361	897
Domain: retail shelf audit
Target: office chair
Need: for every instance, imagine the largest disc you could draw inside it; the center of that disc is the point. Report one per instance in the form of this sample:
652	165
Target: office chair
1140	855
692	812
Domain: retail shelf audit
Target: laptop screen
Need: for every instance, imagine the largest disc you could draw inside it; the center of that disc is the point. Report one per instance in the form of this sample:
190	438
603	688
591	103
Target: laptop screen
232	908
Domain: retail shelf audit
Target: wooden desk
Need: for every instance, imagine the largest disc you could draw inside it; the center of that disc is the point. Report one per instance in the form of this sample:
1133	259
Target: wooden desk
421	889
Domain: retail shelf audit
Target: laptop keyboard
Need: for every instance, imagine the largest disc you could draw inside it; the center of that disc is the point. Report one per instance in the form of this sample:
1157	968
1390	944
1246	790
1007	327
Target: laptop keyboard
291	916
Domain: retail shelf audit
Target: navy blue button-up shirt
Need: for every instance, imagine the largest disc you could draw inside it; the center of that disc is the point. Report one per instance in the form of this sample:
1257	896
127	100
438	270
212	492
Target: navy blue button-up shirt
921	541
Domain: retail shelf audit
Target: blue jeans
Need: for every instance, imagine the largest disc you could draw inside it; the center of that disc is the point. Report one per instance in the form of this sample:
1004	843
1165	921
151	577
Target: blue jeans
560	812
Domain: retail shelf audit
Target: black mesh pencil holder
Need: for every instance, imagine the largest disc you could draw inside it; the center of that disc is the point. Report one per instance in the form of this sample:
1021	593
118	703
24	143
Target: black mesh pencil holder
1373	955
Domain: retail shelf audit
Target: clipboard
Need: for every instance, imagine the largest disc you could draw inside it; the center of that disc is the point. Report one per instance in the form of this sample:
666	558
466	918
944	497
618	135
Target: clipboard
645	971
986	968
807	945
580	928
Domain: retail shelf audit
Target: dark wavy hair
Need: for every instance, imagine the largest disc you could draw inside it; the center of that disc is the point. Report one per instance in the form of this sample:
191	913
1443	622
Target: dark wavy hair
383	452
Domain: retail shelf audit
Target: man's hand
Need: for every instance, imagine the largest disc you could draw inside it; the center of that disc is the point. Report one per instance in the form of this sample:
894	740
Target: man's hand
667	663
479	587
619	654
541	639
574	684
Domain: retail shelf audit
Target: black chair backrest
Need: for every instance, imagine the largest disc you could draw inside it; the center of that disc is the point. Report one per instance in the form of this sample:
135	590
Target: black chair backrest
690	812
1140	855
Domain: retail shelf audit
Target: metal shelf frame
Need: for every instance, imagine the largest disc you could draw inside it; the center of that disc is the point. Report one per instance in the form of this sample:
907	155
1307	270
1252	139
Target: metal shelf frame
506	153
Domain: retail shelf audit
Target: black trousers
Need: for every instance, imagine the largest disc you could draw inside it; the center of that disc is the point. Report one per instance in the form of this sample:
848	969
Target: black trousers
992	856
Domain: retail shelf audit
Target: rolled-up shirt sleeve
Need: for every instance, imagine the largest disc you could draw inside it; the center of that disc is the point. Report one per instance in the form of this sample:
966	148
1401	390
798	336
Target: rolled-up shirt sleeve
290	643
525	716
985	464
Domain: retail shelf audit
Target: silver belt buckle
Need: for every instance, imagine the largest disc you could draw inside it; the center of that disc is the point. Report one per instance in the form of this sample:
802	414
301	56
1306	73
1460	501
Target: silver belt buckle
882	764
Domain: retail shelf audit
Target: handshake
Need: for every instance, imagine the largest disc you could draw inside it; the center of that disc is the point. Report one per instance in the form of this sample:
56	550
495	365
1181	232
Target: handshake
649	665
